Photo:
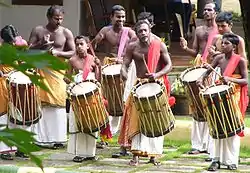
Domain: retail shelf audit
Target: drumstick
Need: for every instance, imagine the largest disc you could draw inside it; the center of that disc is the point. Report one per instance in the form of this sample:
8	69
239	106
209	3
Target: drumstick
179	19
215	71
143	57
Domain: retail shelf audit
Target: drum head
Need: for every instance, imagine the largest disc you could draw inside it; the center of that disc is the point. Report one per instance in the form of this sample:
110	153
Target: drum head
216	89
193	75
83	88
148	90
19	78
112	69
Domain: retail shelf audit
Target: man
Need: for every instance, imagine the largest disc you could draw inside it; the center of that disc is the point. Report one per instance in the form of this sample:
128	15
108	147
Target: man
224	25
202	41
231	65
82	145
137	51
115	39
10	35
59	41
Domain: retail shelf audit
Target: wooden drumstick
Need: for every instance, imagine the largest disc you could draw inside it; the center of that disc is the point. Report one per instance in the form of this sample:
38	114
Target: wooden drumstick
215	71
145	63
179	19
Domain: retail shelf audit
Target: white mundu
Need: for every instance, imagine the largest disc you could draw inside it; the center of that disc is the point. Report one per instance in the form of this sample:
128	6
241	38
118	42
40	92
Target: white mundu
81	144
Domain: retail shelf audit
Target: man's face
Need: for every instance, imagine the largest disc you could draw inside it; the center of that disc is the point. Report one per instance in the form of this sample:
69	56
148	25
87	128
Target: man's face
226	46
209	12
143	32
81	46
118	19
57	18
223	27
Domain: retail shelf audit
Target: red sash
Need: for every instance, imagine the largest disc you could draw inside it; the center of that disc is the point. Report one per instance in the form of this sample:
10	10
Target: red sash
209	43
153	59
232	64
86	67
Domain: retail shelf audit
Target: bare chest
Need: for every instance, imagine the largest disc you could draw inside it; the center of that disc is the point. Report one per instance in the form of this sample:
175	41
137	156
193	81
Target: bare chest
58	37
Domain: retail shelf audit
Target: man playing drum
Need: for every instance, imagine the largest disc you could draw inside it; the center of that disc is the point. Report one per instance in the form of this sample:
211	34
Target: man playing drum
59	41
9	35
138	51
202	41
82	145
115	39
234	69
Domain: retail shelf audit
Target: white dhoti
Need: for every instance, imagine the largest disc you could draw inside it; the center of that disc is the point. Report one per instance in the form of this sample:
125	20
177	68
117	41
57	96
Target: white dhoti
145	145
4	148
200	135
52	127
81	144
227	150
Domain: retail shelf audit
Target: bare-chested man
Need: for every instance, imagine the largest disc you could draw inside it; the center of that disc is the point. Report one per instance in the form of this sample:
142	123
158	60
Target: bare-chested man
59	41
138	51
202	41
85	66
115	38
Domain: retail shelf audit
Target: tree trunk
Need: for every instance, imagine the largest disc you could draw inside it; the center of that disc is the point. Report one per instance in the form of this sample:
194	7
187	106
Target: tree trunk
245	5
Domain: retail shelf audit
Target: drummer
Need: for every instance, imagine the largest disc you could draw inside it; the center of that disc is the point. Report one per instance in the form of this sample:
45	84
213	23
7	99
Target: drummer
115	38
146	44
234	69
200	134
9	35
51	130
82	145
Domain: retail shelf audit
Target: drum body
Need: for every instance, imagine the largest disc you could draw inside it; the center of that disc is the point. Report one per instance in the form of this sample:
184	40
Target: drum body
24	102
89	110
189	78
113	88
151	101
222	110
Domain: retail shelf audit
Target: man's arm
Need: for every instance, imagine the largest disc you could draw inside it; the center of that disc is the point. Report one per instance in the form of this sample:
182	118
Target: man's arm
99	37
69	44
34	42
126	61
241	48
243	72
69	72
98	70
166	59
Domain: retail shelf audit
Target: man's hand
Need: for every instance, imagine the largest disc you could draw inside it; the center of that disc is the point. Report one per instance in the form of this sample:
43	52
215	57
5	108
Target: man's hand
225	79
54	52
183	43
211	50
97	61
1	73
66	80
199	83
151	76
124	76
118	60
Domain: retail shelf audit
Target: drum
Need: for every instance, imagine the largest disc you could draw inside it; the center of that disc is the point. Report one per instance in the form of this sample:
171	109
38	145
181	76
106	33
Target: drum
189	78
24	103
222	110
113	88
151	101
89	110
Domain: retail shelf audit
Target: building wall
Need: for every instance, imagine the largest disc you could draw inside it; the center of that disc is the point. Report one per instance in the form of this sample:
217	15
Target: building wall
26	17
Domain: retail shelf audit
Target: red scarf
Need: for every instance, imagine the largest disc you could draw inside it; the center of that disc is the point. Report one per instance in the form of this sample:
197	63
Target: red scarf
209	43
153	59
86	67
231	66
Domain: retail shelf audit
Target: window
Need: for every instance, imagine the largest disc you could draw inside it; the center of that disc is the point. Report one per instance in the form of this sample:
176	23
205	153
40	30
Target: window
37	2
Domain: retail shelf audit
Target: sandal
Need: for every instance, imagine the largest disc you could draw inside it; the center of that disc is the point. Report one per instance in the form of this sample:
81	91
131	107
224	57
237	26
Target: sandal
78	159
195	151
95	158
214	166
232	167
6	156
154	162
133	163
21	155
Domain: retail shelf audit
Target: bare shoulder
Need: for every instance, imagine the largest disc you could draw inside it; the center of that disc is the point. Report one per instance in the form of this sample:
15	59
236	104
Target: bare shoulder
199	28
241	39
38	29
131	46
67	32
72	59
105	29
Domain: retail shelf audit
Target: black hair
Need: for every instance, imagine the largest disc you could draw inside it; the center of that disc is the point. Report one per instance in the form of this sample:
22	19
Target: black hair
52	9
224	17
9	33
139	23
85	38
117	8
234	39
215	7
146	15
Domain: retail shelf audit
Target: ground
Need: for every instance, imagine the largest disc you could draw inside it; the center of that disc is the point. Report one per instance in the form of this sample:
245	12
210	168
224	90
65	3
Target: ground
174	158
